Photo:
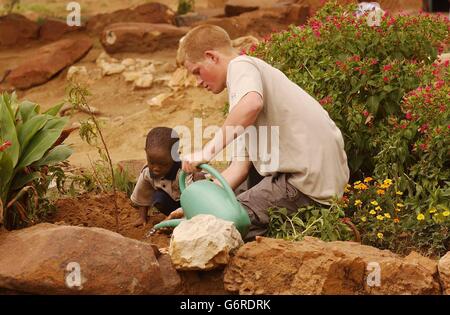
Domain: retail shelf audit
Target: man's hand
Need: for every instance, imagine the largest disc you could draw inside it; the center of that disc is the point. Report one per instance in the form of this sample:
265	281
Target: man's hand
191	162
176	214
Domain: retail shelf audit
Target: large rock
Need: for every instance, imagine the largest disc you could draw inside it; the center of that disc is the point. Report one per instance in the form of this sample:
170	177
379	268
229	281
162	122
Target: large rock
52	259
52	29
152	12
257	23
48	61
16	29
311	266
237	7
444	273
140	37
203	243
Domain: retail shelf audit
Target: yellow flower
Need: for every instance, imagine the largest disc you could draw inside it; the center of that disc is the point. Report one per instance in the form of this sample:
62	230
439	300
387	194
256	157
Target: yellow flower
380	192
384	186
380	217
358	202
357	183
387	215
387	182
378	208
400	205
363	219
380	235
446	213
368	179
372	212
361	186
399	193
432	210
396	220
420	217
374	202
397	209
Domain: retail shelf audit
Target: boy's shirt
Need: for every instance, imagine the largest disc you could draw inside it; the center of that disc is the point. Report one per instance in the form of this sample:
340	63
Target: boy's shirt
145	186
311	147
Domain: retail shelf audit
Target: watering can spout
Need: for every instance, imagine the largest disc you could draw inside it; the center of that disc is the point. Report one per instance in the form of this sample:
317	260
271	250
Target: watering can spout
205	197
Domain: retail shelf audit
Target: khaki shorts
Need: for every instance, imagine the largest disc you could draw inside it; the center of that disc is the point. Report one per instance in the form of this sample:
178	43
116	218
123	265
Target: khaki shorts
271	191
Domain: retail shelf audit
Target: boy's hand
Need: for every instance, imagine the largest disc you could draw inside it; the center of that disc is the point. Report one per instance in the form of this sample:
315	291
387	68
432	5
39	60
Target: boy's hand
191	162
196	176
176	214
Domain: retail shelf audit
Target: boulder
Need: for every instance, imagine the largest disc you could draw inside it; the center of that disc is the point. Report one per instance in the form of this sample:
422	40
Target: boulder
298	14
204	242
140	37
48	61
237	7
55	259
52	29
444	273
311	266
16	29
152	12
257	23
189	18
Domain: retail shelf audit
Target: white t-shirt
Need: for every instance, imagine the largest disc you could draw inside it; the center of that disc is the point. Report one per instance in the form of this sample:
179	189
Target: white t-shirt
292	134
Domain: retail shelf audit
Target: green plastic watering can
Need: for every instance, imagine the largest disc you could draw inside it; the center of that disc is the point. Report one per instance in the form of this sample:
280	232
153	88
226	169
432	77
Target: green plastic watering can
205	197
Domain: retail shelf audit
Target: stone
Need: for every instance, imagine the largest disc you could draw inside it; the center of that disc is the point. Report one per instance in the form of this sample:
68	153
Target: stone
144	80
237	7
159	99
78	74
152	12
47	62
16	29
203	243
111	68
298	14
444	273
55	259
52	29
189	18
312	266
140	37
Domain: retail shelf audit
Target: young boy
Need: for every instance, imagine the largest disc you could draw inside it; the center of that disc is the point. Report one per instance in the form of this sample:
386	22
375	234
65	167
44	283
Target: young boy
310	164
157	185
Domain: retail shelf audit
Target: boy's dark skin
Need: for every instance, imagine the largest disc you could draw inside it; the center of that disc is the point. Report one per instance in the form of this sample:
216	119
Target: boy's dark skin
160	162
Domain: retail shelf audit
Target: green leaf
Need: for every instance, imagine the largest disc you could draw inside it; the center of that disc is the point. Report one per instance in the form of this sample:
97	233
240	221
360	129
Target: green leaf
42	141
55	109
55	155
6	173
8	130
26	131
373	103
28	110
20	180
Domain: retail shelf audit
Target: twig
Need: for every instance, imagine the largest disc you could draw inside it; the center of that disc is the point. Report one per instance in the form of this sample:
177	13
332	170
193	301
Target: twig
94	173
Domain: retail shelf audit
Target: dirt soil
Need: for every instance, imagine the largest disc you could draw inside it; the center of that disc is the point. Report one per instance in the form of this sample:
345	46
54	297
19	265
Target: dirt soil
97	210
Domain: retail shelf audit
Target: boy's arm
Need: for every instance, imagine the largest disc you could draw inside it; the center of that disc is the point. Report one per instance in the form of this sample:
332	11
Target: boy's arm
244	114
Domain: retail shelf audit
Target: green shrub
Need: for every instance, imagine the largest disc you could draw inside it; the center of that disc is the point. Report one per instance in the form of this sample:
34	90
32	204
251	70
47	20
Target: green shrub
185	6
358	72
29	158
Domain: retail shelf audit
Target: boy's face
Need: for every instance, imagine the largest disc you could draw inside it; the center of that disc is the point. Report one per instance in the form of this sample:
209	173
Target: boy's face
210	72
159	162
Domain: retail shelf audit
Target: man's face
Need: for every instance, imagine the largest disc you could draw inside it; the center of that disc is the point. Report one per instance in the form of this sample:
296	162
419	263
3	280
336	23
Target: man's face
209	72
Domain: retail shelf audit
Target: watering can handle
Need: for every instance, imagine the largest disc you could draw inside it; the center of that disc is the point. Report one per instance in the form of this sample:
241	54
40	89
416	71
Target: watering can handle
216	174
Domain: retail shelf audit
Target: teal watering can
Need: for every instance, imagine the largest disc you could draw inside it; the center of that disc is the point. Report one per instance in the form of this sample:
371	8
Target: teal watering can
205	197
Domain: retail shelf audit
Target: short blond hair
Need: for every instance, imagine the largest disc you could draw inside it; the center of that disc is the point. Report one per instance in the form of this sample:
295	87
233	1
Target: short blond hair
203	38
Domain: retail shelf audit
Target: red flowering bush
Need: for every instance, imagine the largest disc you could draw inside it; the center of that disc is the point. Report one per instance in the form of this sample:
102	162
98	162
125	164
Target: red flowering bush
359	73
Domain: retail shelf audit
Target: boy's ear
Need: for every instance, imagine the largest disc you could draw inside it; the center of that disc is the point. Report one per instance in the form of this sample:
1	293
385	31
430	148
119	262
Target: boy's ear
211	55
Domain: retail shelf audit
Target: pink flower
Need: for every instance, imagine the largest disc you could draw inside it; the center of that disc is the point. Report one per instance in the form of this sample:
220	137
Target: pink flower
365	113
408	116
386	79
423	128
374	62
5	145
387	67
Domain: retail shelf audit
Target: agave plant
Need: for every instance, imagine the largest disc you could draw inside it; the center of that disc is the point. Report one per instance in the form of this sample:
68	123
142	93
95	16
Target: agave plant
29	147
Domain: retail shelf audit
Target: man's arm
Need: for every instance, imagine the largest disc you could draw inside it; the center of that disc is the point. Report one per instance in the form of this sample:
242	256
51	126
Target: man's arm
236	173
244	114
